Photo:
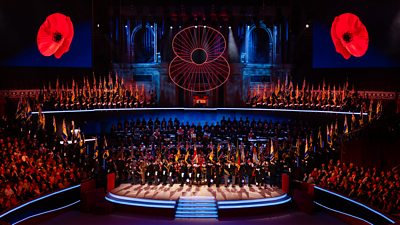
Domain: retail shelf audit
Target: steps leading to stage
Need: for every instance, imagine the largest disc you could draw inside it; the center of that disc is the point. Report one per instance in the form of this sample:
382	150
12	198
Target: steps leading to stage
197	207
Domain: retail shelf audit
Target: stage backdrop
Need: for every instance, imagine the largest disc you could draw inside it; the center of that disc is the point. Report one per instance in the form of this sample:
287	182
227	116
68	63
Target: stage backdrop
20	22
382	21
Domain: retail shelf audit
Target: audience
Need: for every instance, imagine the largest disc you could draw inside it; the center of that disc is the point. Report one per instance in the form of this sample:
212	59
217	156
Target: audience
32	165
380	189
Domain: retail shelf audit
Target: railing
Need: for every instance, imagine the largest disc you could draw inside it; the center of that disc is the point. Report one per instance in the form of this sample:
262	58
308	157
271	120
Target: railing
45	204
340	204
383	95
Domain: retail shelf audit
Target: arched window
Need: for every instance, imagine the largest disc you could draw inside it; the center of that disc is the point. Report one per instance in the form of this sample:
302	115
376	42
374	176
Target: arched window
260	46
143	44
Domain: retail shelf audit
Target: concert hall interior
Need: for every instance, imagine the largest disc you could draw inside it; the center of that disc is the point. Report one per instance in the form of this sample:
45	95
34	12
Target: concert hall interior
172	112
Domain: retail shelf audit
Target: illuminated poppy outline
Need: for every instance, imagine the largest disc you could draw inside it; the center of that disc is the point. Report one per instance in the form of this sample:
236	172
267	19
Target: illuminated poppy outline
207	75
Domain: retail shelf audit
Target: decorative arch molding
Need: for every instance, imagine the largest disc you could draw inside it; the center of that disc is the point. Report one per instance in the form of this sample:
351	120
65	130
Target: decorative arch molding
262	26
153	30
270	34
140	26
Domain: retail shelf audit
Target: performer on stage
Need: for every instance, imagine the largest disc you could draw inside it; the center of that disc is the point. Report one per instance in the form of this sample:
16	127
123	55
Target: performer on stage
259	174
209	173
218	174
157	172
234	173
150	172
190	176
266	173
182	173
135	172
164	172
142	169
272	171
241	174
249	172
227	172
197	173
171	173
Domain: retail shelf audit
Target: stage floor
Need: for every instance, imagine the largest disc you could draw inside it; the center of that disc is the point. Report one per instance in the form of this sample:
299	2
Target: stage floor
174	192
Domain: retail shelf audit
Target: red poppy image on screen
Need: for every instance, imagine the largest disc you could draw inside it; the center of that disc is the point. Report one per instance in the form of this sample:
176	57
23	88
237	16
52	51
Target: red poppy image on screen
55	35
349	35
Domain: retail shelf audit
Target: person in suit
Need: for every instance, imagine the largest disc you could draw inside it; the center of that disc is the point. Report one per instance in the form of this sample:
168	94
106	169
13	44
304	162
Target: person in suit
190	174
272	171
182	173
241	174
209	173
171	173
218	174
164	172
249	172
197	173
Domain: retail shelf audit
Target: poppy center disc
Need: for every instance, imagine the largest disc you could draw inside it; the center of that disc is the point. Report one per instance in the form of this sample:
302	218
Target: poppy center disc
57	37
347	37
199	56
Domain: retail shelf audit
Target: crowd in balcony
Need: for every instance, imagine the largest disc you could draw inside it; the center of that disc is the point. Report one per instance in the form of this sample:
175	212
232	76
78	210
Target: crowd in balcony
378	188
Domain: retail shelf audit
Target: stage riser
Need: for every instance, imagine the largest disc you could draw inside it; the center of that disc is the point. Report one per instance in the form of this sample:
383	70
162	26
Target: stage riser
200	206
267	211
257	203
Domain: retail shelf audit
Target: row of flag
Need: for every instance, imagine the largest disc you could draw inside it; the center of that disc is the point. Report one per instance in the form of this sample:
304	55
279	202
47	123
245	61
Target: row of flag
324	90
89	89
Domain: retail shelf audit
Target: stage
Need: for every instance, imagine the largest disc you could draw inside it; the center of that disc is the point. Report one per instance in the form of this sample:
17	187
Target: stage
174	192
198	201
